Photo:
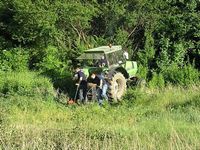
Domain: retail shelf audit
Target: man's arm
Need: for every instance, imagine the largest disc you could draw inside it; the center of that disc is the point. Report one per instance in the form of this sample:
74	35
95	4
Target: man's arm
75	77
81	78
101	84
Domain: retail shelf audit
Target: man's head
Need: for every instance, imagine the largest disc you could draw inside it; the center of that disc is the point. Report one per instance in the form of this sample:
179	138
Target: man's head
93	75
77	69
103	57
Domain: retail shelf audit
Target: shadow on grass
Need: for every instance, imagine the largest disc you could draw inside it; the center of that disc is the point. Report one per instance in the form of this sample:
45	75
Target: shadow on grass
62	82
194	102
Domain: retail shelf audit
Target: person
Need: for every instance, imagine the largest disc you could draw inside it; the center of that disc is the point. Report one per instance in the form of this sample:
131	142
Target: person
126	55
102	87
93	80
102	61
82	85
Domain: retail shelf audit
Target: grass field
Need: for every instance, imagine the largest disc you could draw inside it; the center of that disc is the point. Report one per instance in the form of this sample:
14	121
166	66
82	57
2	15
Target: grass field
167	118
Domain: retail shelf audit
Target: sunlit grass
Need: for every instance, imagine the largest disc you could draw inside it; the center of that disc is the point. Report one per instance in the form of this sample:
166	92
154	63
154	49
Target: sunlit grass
165	118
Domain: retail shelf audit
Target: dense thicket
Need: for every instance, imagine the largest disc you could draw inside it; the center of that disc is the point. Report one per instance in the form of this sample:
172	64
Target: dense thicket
47	35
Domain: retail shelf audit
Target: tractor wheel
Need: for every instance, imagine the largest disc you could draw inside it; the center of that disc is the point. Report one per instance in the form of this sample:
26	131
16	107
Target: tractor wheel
141	83
117	87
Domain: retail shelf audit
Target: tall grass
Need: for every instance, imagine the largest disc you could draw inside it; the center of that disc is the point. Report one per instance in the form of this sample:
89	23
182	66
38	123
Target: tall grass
24	83
165	118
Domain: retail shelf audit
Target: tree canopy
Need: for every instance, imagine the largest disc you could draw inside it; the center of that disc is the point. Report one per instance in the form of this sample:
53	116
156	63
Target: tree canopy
157	33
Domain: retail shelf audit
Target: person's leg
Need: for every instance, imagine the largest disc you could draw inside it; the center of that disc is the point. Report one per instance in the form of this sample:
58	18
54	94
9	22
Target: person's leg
99	97
85	93
94	93
77	95
104	91
81	98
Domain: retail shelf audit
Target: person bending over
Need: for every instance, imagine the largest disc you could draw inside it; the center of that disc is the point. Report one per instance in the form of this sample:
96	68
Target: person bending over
82	85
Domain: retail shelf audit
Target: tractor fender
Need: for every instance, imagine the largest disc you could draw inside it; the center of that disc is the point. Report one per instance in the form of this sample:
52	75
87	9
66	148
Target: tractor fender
119	69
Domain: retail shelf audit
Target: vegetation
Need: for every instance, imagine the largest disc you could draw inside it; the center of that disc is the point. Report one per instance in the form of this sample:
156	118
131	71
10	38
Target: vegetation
48	35
39	41
166	118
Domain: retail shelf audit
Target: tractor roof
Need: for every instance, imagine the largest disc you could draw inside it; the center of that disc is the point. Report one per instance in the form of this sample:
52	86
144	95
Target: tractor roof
104	49
96	53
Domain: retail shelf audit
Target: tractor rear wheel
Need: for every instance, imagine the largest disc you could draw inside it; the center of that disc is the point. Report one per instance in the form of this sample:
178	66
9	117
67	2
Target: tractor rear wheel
117	87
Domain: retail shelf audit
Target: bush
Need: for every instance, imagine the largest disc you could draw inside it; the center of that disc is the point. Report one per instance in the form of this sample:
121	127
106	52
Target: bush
181	75
142	71
25	84
15	59
50	64
157	81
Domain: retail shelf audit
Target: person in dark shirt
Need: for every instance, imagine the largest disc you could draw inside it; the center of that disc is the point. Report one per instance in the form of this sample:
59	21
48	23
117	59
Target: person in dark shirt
93	82
82	84
101	87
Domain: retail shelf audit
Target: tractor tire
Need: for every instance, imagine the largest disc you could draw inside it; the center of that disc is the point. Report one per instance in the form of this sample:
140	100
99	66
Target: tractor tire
141	83
117	87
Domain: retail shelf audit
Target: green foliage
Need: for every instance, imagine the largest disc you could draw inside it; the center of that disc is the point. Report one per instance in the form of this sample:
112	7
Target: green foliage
26	21
164	59
53	33
157	81
25	84
149	46
50	62
179	54
15	59
163	36
181	75
64	83
142	72
121	37
171	53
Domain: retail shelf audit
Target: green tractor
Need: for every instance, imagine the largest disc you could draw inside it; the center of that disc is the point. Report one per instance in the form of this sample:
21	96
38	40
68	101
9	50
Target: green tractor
119	70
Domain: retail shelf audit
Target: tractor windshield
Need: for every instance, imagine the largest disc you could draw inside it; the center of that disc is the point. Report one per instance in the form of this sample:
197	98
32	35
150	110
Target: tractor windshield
89	62
90	56
115	58
93	59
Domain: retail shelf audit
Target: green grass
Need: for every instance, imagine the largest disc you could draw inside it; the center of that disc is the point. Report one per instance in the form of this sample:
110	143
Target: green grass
25	84
165	118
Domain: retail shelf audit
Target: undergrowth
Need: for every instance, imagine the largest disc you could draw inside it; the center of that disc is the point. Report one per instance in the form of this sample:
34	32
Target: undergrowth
165	118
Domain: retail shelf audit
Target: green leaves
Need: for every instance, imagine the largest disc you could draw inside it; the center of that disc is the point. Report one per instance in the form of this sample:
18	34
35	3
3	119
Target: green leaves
28	20
15	59
156	33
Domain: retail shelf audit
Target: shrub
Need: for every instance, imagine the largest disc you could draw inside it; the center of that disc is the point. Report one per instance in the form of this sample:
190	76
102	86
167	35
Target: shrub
181	75
25	84
142	71
15	59
50	64
157	81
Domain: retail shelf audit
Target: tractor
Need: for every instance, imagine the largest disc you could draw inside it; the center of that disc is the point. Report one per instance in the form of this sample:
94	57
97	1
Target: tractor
120	71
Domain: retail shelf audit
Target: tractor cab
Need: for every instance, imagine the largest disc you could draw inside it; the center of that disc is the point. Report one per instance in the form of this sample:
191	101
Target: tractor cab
101	58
